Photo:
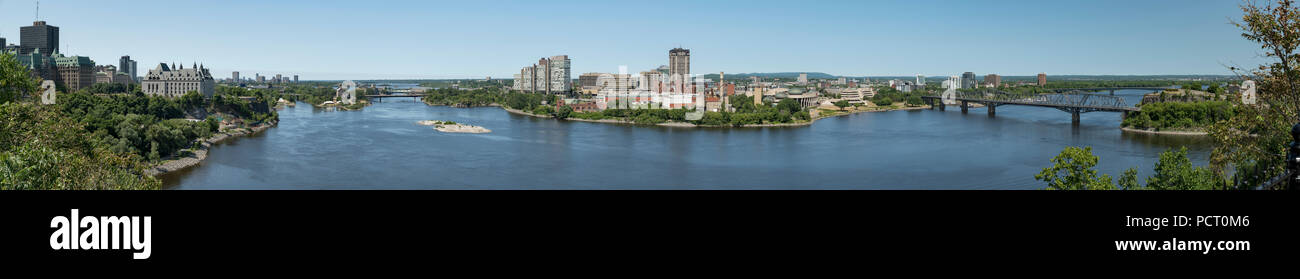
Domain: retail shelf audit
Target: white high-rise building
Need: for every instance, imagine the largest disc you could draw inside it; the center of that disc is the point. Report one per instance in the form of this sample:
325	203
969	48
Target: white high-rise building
803	79
550	75
920	80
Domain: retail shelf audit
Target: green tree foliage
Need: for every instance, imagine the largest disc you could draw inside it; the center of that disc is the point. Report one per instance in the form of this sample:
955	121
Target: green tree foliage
1073	170
842	104
564	112
464	98
42	149
886	96
1254	139
1174	171
15	80
1179	115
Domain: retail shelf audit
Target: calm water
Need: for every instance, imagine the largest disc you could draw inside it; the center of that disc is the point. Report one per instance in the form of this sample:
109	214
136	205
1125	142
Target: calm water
381	147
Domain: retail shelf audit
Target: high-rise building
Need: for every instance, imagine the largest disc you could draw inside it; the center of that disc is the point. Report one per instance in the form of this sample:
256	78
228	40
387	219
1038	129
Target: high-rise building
920	80
77	72
550	75
803	79
278	79
295	78
993	80
260	78
1042	79
968	80
127	66
40	37
679	62
176	81
234	76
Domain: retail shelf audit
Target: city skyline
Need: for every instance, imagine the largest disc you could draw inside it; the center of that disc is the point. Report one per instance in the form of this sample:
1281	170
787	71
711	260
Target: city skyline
843	38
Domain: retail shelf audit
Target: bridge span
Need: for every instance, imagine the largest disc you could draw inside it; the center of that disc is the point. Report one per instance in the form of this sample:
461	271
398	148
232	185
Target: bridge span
1073	103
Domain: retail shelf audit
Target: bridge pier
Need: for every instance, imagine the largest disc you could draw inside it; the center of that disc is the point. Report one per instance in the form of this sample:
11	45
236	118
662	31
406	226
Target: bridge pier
964	107
993	109
1074	117
1112	92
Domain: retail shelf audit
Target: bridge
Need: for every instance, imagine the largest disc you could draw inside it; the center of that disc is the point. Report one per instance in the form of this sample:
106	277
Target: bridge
1111	89
1074	103
376	96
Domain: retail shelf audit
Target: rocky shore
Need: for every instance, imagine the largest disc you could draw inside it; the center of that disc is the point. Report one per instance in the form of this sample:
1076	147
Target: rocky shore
197	155
453	127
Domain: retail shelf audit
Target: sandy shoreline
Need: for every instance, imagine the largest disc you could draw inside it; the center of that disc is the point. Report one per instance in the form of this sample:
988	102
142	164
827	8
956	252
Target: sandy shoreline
198	155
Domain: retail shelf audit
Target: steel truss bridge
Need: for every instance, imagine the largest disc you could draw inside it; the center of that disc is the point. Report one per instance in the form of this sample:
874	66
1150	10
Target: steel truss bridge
1074	102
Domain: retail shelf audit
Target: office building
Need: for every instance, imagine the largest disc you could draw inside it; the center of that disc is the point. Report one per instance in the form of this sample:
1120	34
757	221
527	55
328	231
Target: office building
128	67
968	80
175	81
1042	79
679	62
110	74
234	76
295	78
278	79
77	72
803	79
993	80
39	37
920	80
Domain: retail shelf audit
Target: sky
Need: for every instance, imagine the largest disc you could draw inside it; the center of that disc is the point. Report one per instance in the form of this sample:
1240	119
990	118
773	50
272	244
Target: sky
420	39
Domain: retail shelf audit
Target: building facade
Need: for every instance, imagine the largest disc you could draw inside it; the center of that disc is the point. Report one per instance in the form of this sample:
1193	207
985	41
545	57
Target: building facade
109	74
175	81
550	75
76	72
127	66
39	37
40	65
679	62
1042	79
993	80
968	80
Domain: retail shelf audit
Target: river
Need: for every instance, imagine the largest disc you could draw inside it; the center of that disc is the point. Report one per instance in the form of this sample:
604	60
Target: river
381	147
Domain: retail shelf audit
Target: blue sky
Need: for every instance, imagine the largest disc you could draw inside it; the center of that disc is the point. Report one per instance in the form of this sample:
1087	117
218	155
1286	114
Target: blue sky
331	39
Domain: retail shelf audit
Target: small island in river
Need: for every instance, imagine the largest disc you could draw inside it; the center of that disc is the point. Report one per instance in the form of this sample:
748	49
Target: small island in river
453	127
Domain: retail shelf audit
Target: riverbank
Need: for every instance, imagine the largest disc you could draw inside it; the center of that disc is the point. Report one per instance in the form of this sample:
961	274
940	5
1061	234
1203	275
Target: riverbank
691	125
197	155
1172	133
460	106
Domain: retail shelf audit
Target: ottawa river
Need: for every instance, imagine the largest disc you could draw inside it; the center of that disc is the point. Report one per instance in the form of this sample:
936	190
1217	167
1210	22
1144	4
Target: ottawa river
381	147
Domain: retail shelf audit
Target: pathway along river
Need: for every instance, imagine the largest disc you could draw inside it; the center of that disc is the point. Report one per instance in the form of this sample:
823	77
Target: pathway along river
381	147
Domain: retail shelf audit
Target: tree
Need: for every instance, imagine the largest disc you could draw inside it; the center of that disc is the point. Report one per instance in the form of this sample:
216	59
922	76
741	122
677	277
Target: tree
1255	137
1073	170
842	104
15	80
789	105
564	112
1174	171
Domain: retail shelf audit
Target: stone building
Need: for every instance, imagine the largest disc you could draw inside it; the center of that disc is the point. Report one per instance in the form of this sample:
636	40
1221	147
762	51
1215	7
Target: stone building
176	81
